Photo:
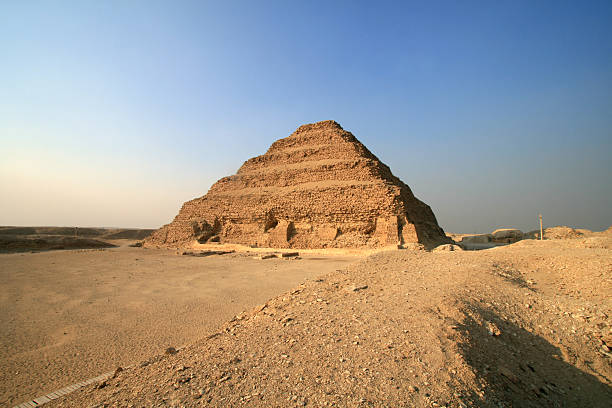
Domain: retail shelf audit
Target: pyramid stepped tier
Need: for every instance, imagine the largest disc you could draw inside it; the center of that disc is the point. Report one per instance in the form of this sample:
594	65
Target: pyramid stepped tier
318	188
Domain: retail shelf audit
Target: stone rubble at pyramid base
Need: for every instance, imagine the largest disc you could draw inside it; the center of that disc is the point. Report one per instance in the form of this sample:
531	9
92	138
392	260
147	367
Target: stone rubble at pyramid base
287	234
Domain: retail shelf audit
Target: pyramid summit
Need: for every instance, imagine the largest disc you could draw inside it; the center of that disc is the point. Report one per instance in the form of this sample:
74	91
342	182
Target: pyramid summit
317	188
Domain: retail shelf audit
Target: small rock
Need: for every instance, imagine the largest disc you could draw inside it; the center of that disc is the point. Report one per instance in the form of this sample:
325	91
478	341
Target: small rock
117	371
493	329
266	256
171	350
224	379
448	247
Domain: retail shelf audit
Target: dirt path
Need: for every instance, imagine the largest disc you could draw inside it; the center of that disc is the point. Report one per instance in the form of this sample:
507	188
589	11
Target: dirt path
70	315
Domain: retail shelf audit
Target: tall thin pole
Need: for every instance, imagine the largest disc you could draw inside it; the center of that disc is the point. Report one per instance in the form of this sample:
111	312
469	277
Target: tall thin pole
541	231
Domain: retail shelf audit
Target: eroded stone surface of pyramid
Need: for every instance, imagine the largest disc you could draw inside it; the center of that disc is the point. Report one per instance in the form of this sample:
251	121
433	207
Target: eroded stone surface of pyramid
318	188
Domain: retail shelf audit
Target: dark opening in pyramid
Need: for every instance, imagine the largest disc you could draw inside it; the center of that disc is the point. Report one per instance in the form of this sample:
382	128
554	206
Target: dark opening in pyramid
318	188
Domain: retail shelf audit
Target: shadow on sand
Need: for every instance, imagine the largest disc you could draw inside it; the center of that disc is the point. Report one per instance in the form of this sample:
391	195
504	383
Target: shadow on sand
521	369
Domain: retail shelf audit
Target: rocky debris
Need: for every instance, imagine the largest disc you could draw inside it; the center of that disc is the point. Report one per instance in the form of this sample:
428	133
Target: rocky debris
561	232
493	329
318	188
118	370
511	235
289	254
205	253
447	248
429	330
266	256
171	351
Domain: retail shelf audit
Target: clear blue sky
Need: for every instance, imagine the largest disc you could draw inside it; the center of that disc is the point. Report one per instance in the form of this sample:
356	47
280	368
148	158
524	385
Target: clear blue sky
113	113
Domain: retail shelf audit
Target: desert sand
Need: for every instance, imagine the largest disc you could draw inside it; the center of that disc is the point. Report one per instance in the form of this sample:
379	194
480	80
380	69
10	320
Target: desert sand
71	315
524	325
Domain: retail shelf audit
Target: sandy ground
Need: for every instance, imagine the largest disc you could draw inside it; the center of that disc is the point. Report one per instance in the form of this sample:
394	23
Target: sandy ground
70	315
525	325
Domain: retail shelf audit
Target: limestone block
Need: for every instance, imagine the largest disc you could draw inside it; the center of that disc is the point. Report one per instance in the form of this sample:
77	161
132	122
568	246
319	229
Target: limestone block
327	233
387	230
280	235
409	233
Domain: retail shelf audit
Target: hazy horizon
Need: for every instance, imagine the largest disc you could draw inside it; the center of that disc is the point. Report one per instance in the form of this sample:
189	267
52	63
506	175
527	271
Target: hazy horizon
114	114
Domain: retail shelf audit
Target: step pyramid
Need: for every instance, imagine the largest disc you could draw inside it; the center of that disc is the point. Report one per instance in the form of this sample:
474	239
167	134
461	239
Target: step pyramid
318	188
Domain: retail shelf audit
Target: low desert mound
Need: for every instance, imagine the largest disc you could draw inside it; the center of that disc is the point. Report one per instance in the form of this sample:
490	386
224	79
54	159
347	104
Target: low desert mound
318	188
127	233
67	231
517	326
20	239
103	233
559	232
512	235
18	243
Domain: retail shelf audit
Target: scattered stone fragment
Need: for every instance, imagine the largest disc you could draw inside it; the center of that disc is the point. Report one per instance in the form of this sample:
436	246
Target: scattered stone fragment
266	256
224	379
448	248
493	329
117	371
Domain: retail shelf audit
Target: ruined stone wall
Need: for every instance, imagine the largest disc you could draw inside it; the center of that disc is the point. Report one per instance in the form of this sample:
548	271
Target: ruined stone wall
319	187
